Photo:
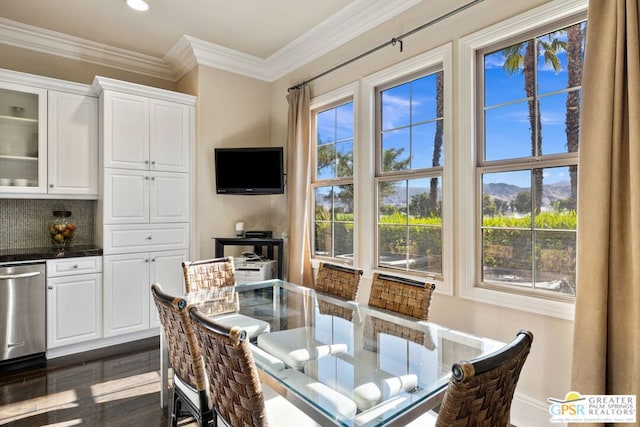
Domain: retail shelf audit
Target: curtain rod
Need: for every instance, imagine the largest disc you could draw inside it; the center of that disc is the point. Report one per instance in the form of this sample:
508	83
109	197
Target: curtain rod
392	42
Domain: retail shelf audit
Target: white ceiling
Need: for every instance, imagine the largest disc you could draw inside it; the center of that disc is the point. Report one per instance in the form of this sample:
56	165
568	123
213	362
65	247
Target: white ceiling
262	32
256	27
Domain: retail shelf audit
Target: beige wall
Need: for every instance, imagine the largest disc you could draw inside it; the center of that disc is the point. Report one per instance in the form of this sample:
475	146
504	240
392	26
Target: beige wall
42	64
232	111
547	371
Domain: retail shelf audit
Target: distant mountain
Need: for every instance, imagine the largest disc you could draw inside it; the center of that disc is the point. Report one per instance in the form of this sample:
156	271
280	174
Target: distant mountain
508	192
500	190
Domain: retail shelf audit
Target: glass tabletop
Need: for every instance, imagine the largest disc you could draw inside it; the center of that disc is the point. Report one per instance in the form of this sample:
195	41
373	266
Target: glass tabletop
354	364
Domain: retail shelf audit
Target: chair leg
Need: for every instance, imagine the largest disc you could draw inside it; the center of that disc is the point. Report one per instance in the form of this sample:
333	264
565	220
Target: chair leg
175	409
208	419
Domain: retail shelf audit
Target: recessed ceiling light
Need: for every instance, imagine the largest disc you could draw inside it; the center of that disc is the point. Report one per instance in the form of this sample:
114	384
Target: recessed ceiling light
140	5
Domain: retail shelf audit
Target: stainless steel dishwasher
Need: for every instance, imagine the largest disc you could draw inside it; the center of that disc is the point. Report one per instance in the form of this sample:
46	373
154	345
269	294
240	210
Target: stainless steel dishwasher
22	310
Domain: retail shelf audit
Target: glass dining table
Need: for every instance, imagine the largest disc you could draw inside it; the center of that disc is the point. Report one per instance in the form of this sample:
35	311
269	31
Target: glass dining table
342	363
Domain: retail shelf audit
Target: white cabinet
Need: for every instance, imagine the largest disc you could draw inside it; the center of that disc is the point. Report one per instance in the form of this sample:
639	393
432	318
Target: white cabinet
72	144
125	126
129	238
145	205
144	133
168	197
127	288
126	293
166	270
74	301
23	138
48	138
139	197
169	129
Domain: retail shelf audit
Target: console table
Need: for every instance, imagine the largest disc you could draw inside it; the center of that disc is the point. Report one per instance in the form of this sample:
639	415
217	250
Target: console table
258	245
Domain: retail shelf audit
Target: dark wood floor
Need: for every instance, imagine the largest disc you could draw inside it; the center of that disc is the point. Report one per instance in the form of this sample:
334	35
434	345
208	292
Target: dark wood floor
117	386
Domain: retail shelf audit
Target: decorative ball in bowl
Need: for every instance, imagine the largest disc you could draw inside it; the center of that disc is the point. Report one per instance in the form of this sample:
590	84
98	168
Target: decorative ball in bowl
61	233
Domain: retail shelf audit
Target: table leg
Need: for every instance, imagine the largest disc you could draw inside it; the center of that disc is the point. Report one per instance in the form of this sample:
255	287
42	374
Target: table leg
164	371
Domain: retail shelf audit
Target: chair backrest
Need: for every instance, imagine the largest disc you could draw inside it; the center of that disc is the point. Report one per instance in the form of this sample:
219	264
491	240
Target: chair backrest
374	326
234	384
208	273
332	309
184	350
338	280
480	391
401	295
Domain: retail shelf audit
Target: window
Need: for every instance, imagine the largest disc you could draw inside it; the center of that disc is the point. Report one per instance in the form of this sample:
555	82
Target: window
409	166
527	162
333	182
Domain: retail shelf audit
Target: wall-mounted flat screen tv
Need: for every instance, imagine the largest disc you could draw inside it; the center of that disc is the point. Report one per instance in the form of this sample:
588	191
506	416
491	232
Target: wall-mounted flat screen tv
249	170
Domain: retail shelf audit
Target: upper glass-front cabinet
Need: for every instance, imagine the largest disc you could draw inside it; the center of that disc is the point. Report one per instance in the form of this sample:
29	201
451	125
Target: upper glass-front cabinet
23	144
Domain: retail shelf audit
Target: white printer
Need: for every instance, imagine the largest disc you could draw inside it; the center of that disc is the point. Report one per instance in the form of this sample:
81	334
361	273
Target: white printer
247	270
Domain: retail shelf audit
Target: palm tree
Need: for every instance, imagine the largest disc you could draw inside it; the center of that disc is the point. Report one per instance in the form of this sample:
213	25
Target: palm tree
437	144
572	120
522	58
344	164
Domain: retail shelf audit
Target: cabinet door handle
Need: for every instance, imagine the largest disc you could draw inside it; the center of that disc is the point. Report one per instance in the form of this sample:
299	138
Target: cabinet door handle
51	185
153	162
50	287
146	162
75	266
146	260
153	260
146	177
153	178
149	237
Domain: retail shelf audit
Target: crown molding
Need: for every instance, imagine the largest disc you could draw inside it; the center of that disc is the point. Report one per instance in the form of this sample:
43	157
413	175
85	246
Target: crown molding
190	51
101	84
54	43
355	19
20	78
181	57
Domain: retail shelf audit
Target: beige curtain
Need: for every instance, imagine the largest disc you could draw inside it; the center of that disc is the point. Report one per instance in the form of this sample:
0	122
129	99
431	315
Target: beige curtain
298	189
606	352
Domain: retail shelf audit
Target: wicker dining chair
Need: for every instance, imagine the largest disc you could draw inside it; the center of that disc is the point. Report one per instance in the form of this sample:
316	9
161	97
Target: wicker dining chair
234	383
189	379
374	326
480	391
219	272
208	273
401	295
338	280
332	309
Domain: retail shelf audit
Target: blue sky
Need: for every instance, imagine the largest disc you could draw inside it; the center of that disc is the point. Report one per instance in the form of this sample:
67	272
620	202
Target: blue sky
335	124
507	127
557	175
335	127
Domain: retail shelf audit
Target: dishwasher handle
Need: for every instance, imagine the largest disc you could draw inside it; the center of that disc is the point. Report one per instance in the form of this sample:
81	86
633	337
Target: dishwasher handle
19	275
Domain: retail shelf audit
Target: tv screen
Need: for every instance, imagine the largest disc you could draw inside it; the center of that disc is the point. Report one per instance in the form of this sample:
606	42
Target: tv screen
254	170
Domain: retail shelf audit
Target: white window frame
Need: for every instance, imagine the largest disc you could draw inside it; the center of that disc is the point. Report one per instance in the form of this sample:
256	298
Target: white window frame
466	146
344	94
438	57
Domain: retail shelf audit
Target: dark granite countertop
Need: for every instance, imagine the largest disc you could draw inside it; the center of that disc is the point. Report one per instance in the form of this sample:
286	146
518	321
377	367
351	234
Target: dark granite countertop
28	254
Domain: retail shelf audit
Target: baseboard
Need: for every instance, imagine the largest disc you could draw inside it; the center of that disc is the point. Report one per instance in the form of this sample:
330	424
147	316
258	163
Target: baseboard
528	412
100	343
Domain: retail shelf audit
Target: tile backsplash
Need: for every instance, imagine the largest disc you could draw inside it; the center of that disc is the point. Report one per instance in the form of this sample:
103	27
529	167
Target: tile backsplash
23	222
